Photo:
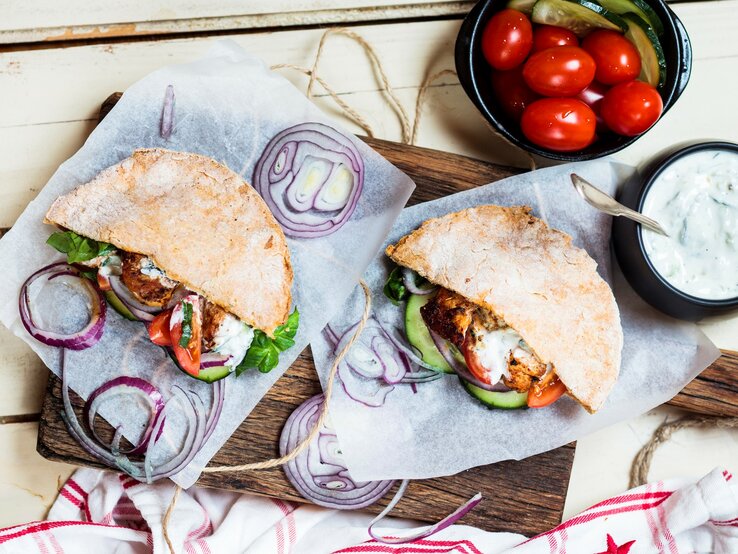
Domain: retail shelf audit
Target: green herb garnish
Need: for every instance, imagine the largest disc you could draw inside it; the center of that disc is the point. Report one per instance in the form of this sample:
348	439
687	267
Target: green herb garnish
263	354
77	248
184	340
395	288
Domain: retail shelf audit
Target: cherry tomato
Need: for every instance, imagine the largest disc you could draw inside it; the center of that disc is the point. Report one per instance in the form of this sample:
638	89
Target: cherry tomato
631	108
560	71
472	361
511	91
592	96
188	356
103	282
159	329
507	39
545	392
617	59
549	36
559	124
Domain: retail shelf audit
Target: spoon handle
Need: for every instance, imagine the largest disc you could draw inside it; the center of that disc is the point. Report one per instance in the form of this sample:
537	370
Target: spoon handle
647	222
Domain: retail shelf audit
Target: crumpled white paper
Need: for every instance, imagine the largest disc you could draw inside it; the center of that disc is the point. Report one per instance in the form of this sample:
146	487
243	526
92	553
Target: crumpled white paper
439	429
228	106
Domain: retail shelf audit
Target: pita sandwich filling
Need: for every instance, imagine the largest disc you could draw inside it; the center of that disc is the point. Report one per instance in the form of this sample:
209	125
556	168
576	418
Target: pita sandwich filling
510	305
184	244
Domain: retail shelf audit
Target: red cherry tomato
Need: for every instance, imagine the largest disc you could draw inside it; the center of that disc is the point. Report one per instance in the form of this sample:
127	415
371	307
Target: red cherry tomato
560	71
545	392
188	356
559	124
616	58
507	39
631	108
159	329
472	360
511	92
549	36
592	96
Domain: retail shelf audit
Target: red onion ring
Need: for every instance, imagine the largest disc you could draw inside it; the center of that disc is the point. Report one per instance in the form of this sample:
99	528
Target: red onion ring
213	359
89	335
408	279
167	114
280	165
319	473
126	386
447	521
200	429
138	309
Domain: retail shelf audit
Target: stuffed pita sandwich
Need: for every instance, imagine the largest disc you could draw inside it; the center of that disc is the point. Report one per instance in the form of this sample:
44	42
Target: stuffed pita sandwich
509	304
184	244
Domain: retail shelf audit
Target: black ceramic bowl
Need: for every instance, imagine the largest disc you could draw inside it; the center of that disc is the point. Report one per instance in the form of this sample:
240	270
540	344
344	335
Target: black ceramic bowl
631	253
475	77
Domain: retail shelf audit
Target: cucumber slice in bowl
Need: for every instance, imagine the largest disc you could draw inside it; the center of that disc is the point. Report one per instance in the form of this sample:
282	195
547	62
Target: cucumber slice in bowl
419	336
525	6
653	61
579	16
510	400
639	8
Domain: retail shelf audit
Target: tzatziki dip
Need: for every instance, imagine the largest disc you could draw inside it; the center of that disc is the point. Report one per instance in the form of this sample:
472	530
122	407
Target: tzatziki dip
695	199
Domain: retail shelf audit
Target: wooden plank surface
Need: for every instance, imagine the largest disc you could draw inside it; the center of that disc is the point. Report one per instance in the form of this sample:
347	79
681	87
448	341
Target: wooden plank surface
525	497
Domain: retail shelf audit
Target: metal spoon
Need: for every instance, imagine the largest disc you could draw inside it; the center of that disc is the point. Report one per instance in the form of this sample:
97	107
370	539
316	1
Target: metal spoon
606	203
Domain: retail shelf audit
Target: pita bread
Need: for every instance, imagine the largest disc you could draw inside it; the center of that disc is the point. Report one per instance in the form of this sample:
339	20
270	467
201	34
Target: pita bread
199	221
549	291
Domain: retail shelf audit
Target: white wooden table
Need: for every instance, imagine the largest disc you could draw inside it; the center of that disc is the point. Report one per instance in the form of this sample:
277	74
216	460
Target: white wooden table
59	59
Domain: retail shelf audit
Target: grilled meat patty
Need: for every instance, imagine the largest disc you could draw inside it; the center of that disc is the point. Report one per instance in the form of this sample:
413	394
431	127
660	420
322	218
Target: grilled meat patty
147	282
457	320
212	317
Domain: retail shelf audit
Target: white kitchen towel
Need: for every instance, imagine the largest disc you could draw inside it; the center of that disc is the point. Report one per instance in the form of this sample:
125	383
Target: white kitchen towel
105	512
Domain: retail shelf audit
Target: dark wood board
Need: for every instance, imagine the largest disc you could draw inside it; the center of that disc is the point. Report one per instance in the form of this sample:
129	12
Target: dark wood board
521	496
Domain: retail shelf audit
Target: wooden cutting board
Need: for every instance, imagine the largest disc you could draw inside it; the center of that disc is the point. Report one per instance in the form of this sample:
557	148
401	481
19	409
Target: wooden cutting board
520	496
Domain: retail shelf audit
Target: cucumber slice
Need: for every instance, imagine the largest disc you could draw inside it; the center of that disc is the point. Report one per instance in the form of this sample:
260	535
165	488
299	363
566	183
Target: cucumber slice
638	7
510	400
209	375
653	61
213	374
419	336
579	16
525	6
118	306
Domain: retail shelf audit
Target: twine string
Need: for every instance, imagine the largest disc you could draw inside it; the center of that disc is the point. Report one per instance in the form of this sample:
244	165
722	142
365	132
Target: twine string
642	462
167	515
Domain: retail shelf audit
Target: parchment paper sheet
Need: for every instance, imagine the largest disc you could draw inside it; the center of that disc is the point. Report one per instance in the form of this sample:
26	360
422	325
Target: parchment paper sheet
440	429
228	106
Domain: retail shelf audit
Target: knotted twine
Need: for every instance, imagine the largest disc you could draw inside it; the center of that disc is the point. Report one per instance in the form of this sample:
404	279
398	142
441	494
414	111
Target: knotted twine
409	134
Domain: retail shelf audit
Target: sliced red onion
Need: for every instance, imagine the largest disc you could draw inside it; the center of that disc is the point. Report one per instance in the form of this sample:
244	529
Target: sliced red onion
373	366
89	335
200	428
131	386
138	309
331	335
408	279
300	175
447	521
319	473
213	359
424	376
410	351
167	113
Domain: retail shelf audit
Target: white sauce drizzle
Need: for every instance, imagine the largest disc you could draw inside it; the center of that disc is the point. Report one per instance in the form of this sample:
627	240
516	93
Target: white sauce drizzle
493	350
233	338
695	199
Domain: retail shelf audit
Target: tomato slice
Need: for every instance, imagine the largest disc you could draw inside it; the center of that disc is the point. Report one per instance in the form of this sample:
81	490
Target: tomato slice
472	361
159	329
188	356
103	282
545	392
